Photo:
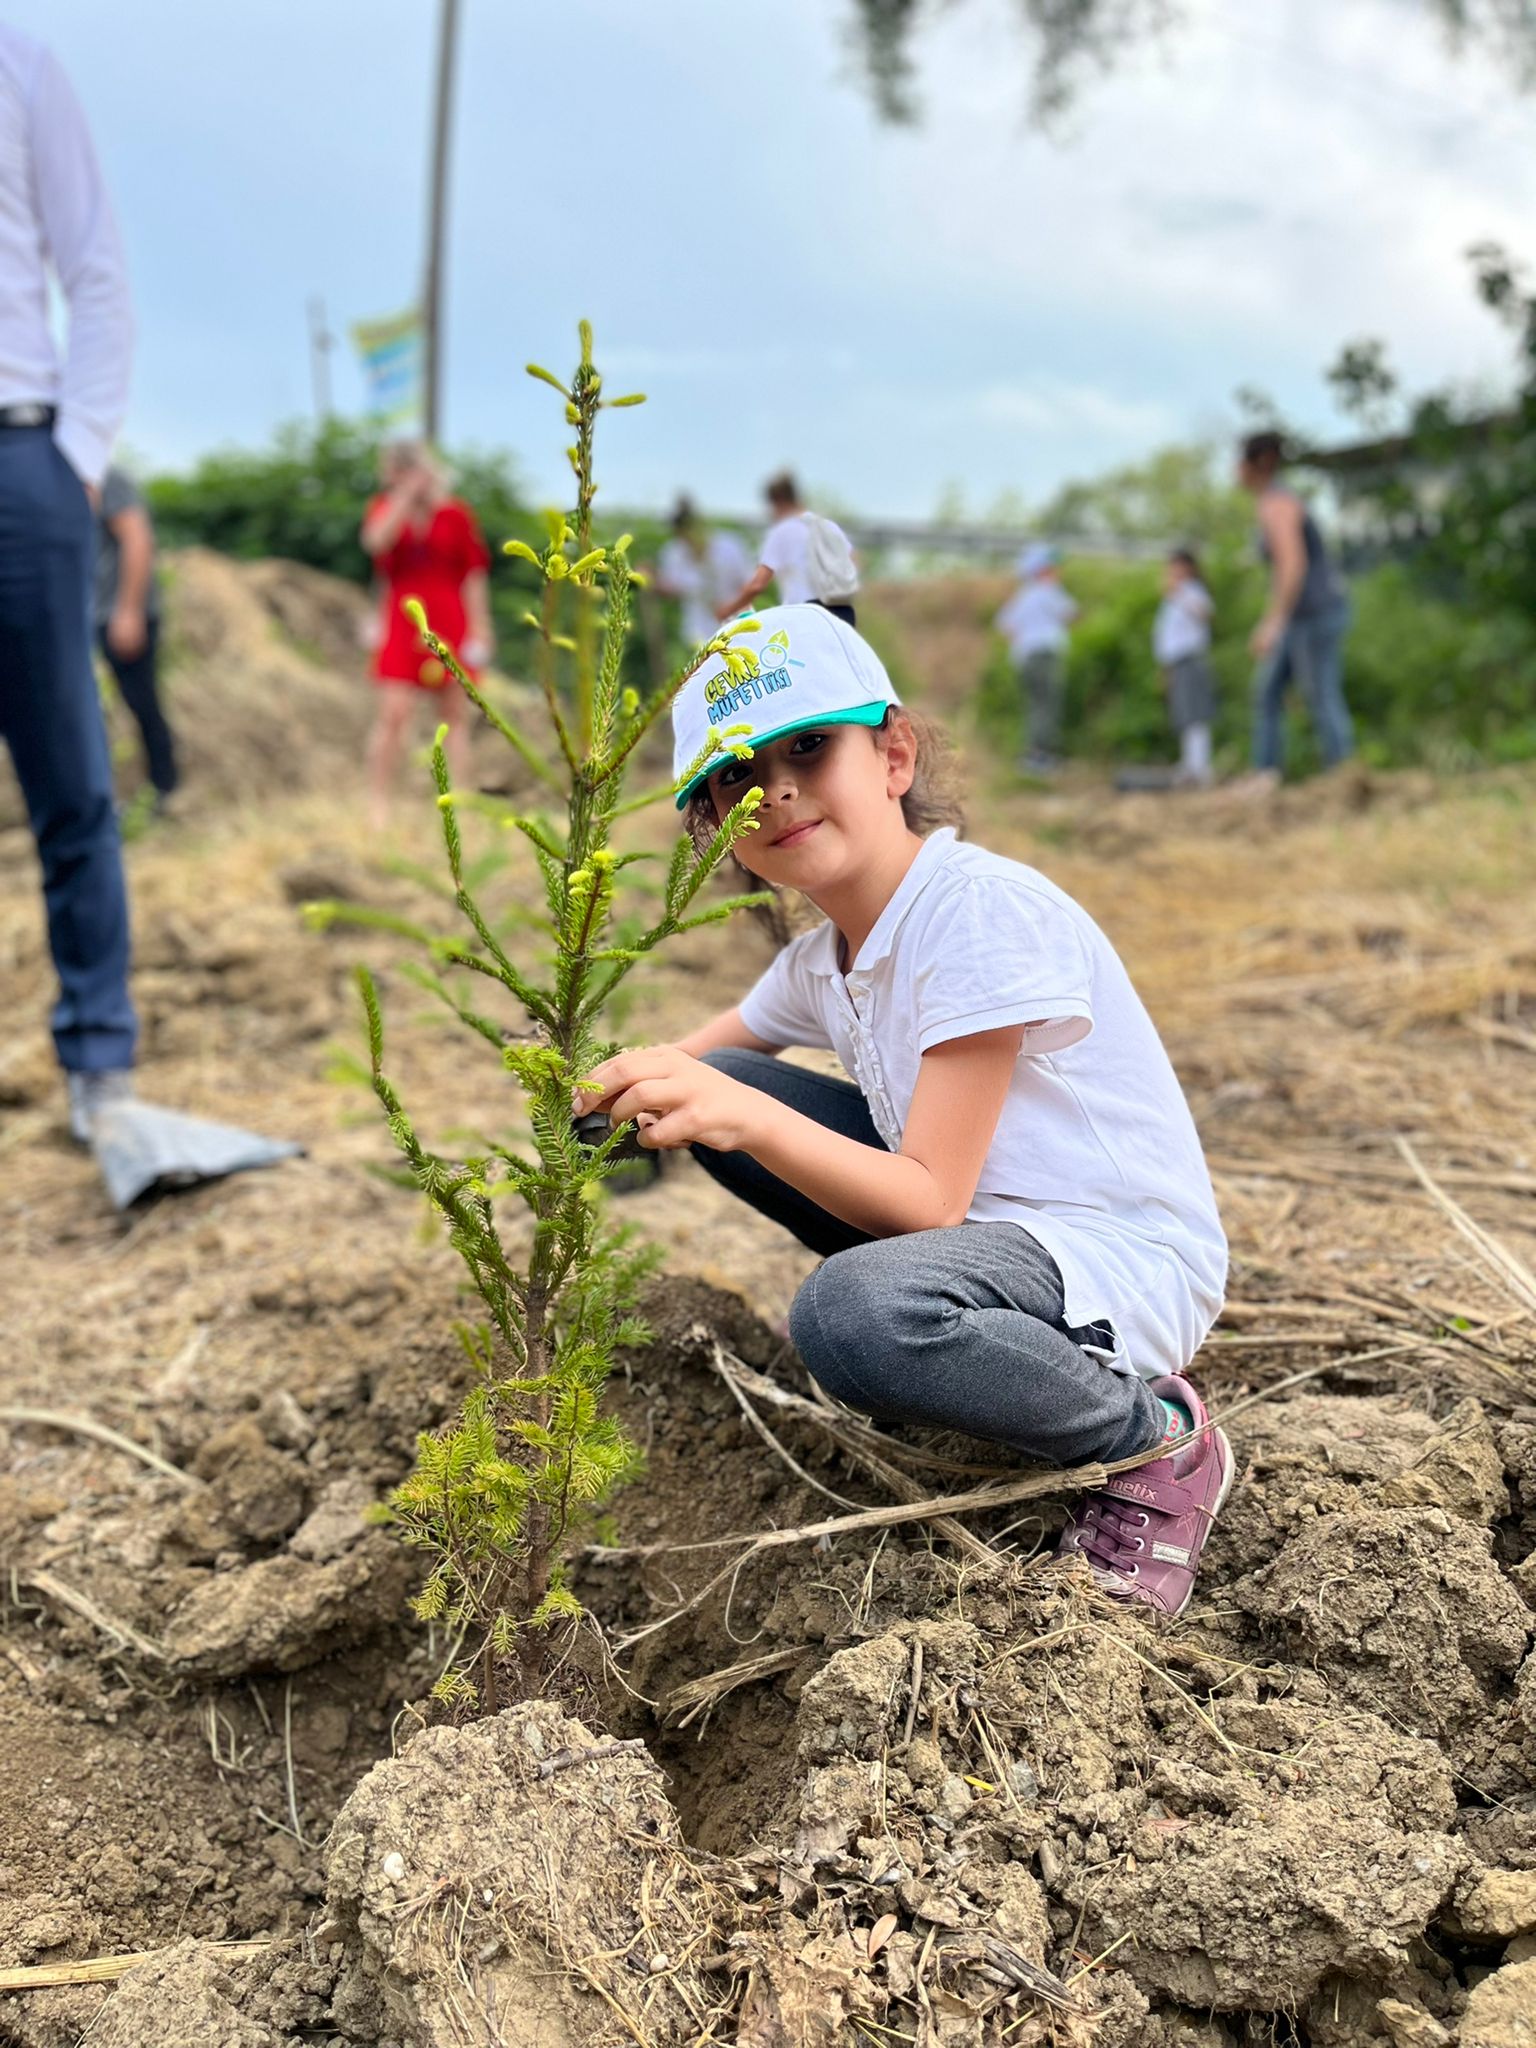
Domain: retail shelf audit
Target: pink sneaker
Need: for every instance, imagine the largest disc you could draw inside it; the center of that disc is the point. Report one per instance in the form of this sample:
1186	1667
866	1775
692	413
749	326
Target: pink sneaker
1143	1533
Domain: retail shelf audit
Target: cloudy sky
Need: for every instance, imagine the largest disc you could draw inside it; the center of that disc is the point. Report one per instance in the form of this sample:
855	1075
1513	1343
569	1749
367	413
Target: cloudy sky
893	311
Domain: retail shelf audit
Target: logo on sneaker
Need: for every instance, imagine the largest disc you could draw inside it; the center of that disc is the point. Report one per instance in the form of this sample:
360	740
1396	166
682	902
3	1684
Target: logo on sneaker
1170	1553
1135	1489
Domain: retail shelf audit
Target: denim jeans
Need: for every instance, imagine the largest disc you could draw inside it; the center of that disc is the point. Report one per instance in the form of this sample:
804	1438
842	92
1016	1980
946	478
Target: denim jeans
50	718
958	1329
1310	651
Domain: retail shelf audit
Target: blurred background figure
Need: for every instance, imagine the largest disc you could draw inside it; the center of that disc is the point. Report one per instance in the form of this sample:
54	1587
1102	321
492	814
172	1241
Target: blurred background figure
58	420
1036	621
1181	644
127	620
809	557
701	566
1301	635
426	544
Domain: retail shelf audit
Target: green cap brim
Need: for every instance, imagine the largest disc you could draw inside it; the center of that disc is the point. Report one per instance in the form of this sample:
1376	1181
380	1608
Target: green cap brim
861	714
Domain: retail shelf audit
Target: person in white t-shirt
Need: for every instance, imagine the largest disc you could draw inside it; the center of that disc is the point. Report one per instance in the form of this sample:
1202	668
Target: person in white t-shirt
800	552
1019	1234
702	567
1181	643
1036	622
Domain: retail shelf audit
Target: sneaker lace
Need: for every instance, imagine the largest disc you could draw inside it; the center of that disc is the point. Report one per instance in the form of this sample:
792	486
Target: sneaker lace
1111	1534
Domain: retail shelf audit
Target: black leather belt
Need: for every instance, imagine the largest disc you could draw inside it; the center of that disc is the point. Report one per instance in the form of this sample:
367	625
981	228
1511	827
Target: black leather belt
30	415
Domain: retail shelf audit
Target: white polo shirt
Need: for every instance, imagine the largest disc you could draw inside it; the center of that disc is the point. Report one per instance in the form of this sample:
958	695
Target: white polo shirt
1183	624
1095	1152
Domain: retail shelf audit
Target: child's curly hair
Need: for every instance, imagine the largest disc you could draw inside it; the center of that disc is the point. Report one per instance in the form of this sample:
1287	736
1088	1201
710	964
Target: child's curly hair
933	800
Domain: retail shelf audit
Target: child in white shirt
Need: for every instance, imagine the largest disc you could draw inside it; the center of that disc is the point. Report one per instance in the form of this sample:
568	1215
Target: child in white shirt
1036	622
701	567
1181	642
1019	1232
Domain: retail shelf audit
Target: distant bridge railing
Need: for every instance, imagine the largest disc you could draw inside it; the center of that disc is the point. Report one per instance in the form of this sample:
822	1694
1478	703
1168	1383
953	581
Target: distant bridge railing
897	547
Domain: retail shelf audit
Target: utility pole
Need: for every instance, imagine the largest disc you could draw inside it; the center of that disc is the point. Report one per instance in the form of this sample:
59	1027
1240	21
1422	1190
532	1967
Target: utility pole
321	342
437	208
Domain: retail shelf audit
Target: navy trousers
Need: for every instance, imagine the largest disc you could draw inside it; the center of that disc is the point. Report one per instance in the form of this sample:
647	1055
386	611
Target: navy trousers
50	719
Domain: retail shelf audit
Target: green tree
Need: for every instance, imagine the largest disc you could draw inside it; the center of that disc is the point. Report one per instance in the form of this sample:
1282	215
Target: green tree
1181	494
498	1498
1455	489
1066	39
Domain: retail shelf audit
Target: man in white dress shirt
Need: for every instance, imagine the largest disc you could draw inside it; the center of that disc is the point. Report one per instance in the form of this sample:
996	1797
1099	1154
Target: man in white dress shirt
58	420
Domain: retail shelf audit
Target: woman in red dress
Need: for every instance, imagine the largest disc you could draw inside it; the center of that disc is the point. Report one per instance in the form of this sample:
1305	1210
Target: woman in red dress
424	544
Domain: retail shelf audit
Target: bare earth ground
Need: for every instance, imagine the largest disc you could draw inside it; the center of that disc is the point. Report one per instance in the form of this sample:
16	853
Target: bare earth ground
1307	1813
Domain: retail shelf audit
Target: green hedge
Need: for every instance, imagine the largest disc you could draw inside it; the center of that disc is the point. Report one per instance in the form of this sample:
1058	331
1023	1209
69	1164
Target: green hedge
1429	682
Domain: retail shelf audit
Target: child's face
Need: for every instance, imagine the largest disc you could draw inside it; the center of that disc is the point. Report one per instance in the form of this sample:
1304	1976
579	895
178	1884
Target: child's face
1175	573
831	803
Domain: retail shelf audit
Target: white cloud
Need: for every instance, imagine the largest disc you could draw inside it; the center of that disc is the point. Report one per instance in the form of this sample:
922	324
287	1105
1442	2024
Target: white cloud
626	359
1267	192
1050	405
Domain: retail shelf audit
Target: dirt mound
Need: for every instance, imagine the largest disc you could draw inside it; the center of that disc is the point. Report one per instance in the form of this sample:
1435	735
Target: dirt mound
937	635
1406	1606
267	679
264	678
459	1870
193	1992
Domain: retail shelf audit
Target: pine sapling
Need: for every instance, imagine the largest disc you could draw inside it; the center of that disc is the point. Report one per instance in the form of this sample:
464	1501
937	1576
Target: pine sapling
500	1497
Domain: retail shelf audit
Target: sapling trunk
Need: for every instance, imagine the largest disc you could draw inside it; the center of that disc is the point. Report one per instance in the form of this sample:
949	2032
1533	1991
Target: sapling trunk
499	1497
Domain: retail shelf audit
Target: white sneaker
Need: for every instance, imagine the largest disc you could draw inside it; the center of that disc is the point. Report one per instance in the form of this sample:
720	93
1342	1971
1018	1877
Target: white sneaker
89	1094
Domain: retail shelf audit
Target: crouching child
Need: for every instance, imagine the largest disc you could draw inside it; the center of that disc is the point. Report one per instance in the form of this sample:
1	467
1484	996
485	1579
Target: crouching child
1018	1232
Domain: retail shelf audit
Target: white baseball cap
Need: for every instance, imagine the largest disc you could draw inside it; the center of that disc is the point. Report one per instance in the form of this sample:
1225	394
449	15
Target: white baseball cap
799	668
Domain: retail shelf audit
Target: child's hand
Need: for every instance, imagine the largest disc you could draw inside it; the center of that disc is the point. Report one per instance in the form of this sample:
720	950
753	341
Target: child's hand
675	1100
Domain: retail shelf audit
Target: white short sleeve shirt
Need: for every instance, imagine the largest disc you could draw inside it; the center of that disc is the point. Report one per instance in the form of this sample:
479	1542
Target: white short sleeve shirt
1183	624
1037	619
786	551
703	584
1095	1152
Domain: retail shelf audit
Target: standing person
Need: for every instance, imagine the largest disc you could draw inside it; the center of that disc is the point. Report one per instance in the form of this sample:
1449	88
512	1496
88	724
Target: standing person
1036	622
701	566
1301	634
58	420
1181	643
810	558
425	544
127	619
1017	1226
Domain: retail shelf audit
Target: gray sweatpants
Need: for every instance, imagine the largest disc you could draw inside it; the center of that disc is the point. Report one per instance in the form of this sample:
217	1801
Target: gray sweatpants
1043	686
958	1329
